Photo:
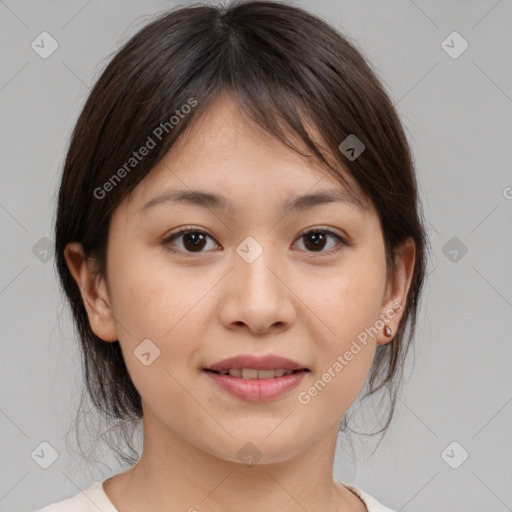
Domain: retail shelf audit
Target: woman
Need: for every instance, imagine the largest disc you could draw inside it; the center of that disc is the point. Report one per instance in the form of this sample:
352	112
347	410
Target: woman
239	237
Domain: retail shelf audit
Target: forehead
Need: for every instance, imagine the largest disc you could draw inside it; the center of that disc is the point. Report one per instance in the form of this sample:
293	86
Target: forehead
224	153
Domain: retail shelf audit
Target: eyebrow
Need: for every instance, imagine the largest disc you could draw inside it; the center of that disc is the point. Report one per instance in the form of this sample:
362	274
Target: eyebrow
208	200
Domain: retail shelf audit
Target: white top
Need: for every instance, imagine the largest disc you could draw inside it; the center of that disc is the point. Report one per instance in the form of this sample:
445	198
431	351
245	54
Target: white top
94	499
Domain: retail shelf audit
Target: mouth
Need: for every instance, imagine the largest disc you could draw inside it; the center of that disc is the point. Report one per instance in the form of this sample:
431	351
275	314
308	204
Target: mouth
253	385
250	366
256	378
253	373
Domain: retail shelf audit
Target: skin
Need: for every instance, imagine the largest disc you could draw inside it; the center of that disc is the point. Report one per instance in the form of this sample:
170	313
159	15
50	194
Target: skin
201	307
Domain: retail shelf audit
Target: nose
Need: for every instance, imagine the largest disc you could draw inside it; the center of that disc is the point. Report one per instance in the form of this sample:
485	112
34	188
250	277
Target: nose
257	296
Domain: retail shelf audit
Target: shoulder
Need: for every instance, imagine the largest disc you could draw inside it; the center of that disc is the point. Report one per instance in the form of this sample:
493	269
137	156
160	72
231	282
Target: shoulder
89	500
371	503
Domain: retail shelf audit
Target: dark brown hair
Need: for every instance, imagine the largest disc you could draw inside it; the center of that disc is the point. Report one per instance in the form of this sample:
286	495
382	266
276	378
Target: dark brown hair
291	73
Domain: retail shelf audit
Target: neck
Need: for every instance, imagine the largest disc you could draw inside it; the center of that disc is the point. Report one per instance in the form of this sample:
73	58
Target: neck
175	475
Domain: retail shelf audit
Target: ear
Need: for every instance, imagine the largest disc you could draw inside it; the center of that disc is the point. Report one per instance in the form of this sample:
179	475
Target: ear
397	289
93	291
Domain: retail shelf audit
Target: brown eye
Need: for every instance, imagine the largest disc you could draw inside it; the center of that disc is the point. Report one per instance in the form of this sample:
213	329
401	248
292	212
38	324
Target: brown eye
195	241
192	241
316	240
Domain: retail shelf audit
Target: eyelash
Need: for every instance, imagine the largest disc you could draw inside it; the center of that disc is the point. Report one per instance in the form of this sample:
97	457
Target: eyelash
340	245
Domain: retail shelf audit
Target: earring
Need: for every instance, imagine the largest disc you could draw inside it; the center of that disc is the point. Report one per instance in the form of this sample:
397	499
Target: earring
388	331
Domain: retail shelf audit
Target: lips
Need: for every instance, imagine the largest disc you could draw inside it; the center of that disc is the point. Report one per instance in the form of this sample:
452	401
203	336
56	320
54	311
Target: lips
249	362
256	389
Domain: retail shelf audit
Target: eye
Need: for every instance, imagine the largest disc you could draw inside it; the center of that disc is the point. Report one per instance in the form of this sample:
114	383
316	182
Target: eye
194	240
316	240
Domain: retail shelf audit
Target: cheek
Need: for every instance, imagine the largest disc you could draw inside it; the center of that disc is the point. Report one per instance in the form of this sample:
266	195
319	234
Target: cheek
163	311
348	306
151	302
148	296
346	302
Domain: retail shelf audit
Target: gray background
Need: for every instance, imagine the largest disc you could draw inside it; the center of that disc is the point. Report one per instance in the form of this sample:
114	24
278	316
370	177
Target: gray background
458	115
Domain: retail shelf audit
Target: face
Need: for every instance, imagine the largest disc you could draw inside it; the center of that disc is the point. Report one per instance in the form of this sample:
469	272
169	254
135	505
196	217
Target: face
249	278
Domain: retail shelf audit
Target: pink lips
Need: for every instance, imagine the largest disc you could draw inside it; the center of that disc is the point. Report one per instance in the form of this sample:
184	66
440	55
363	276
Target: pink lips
257	390
269	362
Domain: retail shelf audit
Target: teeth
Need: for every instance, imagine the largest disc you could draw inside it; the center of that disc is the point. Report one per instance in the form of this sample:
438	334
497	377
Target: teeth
251	373
264	374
